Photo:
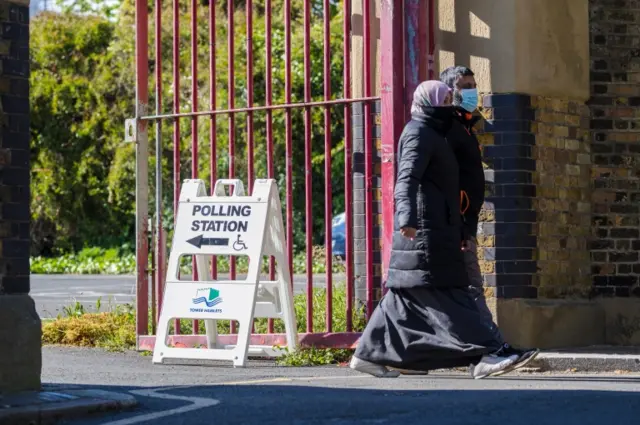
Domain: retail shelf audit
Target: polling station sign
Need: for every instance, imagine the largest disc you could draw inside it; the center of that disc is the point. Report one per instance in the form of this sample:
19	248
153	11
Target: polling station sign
227	225
220	225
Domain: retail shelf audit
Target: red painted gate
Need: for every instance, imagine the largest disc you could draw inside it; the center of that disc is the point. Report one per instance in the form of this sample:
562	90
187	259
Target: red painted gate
239	137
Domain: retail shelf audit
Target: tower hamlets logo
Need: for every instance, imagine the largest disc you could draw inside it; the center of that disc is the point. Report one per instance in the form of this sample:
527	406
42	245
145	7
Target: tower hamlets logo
209	296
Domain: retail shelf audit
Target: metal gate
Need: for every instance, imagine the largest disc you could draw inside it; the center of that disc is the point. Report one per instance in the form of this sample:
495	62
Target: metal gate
251	129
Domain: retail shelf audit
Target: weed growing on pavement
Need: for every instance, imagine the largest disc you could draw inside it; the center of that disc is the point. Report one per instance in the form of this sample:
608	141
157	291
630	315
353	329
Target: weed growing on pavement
315	357
114	329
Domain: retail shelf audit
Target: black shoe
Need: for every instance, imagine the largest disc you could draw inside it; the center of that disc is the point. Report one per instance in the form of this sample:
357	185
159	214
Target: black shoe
524	357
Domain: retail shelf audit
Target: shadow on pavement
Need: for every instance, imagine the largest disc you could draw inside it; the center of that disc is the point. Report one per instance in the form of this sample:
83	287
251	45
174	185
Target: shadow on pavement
308	404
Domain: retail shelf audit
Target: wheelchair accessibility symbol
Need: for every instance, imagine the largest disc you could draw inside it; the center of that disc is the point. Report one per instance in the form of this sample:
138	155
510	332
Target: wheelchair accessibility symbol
239	245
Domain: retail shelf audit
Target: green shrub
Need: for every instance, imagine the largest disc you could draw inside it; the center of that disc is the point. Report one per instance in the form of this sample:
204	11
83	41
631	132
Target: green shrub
87	261
121	261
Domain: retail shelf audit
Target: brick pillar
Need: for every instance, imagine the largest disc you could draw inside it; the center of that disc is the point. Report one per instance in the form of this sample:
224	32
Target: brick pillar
615	125
506	235
20	328
359	190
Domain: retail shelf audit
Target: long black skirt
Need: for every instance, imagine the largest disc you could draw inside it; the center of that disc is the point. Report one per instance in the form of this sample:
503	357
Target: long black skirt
425	329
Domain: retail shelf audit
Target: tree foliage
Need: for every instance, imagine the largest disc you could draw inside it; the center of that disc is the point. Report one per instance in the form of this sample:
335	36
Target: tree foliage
83	177
78	101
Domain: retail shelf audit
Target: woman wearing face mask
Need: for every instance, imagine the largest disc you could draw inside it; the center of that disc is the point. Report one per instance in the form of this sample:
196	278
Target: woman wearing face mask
428	319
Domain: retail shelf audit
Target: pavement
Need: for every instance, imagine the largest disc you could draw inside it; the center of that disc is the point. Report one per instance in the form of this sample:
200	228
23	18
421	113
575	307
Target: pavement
46	406
54	292
262	393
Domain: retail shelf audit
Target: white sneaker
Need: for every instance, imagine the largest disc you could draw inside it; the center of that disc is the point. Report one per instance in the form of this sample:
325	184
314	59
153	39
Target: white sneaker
491	364
376	370
523	359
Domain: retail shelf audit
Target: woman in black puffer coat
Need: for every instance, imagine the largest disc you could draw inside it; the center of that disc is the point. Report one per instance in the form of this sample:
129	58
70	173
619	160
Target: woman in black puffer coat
428	319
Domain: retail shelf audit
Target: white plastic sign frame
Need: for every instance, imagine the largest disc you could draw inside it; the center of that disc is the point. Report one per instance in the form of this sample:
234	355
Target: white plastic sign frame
227	225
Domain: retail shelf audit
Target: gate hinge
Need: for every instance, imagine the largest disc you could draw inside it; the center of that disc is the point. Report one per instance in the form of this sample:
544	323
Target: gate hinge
131	130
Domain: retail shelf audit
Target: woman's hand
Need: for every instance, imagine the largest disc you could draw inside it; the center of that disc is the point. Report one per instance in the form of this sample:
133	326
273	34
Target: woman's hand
408	232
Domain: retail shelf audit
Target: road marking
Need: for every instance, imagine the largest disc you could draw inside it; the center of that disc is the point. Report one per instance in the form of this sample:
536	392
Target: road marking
197	403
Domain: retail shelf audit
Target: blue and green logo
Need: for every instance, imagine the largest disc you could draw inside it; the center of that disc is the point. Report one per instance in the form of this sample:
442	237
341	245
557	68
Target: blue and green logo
209	296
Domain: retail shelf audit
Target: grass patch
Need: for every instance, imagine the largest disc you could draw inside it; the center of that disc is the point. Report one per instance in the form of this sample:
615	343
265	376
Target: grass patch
119	261
114	329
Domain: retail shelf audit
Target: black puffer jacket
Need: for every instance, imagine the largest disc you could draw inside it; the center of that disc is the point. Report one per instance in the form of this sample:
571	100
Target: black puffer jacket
427	198
467	149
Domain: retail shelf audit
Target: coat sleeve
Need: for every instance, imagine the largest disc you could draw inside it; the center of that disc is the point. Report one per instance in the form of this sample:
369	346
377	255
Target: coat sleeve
414	159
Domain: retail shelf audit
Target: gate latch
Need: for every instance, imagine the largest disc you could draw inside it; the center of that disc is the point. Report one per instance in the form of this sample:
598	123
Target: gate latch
131	130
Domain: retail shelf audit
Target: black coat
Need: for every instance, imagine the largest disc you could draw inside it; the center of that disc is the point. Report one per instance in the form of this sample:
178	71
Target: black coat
427	198
467	149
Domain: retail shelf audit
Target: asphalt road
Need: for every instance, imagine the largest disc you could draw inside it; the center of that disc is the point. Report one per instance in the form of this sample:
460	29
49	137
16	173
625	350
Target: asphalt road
54	292
265	394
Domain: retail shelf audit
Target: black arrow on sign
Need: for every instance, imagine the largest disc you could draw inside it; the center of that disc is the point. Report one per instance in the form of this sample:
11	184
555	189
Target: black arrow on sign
200	240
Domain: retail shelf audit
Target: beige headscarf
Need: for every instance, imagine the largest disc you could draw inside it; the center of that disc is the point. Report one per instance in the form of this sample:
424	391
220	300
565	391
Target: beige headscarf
429	93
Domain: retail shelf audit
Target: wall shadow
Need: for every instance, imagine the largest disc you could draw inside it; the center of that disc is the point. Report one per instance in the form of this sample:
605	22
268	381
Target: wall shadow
483	402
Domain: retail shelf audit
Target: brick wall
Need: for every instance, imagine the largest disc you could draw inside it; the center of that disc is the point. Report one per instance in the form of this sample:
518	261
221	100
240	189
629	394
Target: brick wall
14	148
359	231
562	204
615	125
534	233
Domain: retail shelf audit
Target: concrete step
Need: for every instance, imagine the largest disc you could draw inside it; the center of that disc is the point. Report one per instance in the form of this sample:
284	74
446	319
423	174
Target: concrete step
589	359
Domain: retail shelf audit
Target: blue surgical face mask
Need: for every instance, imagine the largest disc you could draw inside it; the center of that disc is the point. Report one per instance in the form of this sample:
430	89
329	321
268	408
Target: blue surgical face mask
469	99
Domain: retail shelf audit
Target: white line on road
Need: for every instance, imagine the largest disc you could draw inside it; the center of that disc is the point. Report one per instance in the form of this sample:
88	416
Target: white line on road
200	402
197	403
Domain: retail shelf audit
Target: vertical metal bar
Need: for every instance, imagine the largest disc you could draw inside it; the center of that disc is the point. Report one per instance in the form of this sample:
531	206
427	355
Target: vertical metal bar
159	251
213	165
162	280
307	163
431	37
142	168
423	40
391	65
269	119
288	133
176	122
348	180
249	46
328	199
152	279
368	154
412	51
232	125
194	119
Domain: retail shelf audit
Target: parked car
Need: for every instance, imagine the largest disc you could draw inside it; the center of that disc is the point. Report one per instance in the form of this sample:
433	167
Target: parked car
337	236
